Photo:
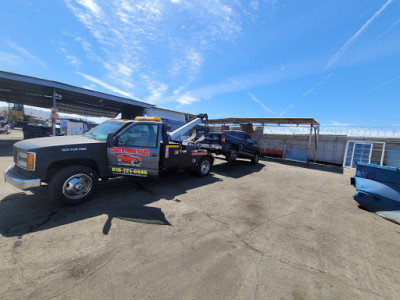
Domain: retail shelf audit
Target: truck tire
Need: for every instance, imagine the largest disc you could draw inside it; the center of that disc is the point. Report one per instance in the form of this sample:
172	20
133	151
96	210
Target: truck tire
73	185
204	166
255	159
231	155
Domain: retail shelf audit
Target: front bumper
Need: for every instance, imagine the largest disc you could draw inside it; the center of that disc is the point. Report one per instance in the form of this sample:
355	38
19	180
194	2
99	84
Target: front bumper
13	176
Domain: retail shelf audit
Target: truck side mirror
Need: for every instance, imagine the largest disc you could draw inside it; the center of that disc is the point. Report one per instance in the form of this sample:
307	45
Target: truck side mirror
110	140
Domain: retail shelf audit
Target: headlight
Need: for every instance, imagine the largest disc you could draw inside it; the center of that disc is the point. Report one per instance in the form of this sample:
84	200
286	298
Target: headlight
26	160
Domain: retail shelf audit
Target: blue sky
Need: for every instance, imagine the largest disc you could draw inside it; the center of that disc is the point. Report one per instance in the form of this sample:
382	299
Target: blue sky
335	61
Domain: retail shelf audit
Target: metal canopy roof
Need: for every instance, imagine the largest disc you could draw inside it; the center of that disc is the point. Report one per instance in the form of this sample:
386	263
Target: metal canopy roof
279	121
38	92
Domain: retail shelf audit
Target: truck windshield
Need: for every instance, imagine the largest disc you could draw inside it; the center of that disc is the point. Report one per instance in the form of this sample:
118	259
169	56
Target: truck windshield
101	131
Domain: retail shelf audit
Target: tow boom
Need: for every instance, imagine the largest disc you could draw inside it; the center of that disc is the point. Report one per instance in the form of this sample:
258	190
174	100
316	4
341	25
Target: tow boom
176	135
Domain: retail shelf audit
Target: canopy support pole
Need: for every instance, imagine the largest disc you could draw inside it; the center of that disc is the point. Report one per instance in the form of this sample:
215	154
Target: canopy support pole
54	106
309	144
316	133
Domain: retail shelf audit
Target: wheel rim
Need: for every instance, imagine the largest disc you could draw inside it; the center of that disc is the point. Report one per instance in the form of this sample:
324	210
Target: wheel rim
256	158
234	155
205	167
77	186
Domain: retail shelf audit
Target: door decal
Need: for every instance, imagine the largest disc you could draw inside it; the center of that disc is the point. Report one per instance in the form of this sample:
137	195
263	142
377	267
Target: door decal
129	171
144	152
129	160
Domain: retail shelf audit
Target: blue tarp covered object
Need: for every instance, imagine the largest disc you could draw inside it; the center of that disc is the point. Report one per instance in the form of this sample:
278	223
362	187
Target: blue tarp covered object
378	190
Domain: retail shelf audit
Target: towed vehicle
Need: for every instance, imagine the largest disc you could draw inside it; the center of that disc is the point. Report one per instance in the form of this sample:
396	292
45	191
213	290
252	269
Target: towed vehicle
72	165
232	144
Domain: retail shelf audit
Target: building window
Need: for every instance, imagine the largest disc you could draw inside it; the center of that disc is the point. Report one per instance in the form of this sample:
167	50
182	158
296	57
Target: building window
358	151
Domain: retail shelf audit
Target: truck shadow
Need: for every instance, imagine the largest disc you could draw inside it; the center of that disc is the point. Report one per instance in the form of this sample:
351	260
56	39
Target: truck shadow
313	166
123	198
236	169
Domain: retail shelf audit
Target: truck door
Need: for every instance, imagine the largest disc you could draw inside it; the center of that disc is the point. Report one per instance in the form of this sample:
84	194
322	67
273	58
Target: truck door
248	146
241	137
136	151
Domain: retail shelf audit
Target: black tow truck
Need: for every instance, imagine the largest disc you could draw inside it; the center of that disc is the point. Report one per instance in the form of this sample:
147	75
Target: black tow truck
72	165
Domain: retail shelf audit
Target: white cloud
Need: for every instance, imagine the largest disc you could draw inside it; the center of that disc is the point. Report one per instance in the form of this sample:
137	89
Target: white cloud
9	60
387	30
87	47
384	84
179	90
125	83
350	41
145	44
336	123
248	81
25	52
315	86
189	63
187	99
255	99
306	93
286	110
91	5
157	91
105	85
129	35
89	86
72	59
254	4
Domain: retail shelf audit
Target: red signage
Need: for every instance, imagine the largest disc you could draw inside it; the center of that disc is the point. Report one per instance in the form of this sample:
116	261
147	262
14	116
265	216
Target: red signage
144	152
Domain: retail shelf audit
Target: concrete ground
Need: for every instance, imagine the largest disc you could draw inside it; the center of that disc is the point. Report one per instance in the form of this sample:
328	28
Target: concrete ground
272	231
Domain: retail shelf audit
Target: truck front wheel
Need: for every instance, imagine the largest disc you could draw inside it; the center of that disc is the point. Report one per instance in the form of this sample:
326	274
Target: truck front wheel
255	159
204	166
73	185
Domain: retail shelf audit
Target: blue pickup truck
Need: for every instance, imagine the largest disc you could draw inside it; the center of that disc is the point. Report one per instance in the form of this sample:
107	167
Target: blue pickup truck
231	143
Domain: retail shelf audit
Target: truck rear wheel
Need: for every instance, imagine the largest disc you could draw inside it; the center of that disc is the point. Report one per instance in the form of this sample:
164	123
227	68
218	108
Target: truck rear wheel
204	166
231	155
73	185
